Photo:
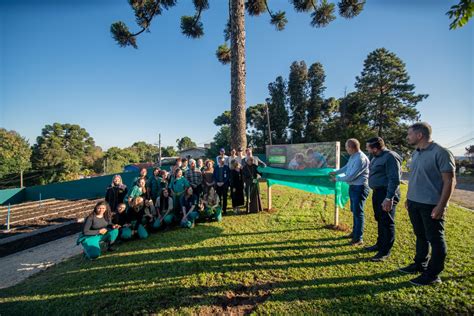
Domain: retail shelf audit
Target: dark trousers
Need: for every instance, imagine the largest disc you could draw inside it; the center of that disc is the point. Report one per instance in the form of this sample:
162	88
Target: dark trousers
358	195
222	193
197	192
428	232
385	220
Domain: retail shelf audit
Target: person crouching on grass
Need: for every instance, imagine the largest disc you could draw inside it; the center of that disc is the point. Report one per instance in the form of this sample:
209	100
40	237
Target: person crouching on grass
98	228
140	217
164	209
189	208
211	205
120	218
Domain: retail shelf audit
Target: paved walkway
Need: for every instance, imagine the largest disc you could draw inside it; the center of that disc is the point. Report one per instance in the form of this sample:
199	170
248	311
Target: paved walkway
21	265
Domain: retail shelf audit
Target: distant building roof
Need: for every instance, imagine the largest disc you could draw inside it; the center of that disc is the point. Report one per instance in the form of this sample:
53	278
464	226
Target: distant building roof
192	148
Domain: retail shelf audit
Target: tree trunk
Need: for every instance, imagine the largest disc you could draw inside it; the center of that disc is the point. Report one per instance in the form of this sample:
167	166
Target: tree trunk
238	74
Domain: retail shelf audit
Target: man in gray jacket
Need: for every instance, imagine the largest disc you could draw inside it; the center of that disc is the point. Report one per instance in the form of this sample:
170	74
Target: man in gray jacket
356	173
384	180
431	183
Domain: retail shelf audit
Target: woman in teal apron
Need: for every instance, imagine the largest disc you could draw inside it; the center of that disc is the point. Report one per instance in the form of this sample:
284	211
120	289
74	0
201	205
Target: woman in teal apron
211	205
177	186
98	228
164	208
189	208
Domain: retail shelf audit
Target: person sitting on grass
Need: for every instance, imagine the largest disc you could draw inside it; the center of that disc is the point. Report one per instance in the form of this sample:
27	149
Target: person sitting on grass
98	228
189	208
140	217
164	209
211	205
120	218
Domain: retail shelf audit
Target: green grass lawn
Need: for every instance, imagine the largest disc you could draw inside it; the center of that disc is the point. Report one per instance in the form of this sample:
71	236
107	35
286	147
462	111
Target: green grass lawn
285	261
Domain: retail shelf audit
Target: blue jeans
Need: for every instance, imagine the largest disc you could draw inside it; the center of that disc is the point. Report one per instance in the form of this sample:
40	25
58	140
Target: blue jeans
358	195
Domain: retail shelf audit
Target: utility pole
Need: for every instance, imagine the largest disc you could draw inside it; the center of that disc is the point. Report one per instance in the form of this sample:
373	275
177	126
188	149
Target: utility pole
21	178
268	124
159	150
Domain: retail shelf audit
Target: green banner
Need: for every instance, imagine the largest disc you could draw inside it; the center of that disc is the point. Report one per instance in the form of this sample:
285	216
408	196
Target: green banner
311	180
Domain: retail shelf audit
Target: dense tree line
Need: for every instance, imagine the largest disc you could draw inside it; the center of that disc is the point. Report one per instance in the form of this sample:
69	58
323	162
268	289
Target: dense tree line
382	104
67	152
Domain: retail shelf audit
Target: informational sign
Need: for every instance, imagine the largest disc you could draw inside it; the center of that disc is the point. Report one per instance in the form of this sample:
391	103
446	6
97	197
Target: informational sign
303	156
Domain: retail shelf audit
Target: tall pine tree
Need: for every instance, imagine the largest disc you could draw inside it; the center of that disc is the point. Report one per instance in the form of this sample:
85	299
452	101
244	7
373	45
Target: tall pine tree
298	99
384	88
322	13
314	125
279	117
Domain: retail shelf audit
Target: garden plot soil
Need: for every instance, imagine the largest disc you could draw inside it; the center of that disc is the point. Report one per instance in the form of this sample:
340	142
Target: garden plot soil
67	216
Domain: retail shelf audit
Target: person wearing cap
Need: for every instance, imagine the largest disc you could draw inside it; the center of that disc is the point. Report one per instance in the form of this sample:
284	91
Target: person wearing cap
430	184
194	177
384	180
221	178
223	155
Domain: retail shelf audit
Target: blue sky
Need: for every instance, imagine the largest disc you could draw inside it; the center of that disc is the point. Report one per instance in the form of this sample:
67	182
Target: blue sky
58	63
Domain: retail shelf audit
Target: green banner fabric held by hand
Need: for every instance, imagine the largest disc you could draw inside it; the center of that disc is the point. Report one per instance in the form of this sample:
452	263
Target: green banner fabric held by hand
316	181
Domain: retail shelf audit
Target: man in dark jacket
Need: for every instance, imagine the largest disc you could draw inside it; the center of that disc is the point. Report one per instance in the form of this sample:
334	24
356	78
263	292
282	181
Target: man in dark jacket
384	180
221	178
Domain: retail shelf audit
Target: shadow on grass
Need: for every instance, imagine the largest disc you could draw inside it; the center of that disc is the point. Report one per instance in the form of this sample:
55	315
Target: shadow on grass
163	278
210	299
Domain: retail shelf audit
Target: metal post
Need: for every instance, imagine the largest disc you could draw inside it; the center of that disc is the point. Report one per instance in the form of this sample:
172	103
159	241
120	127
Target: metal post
336	208
269	196
268	124
159	150
8	217
21	178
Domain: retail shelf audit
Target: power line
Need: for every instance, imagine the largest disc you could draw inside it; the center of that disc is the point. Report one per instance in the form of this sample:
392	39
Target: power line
461	143
460	138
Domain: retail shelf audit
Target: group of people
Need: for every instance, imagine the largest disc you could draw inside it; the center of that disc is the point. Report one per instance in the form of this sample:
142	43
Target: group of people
430	185
198	190
191	190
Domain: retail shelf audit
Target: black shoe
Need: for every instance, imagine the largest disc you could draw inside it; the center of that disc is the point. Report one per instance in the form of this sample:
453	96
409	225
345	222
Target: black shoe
425	279
372	248
110	247
412	269
356	243
379	257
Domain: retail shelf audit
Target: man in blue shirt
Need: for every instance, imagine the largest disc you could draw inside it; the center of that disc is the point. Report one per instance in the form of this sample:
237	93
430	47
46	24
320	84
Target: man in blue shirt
356	174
